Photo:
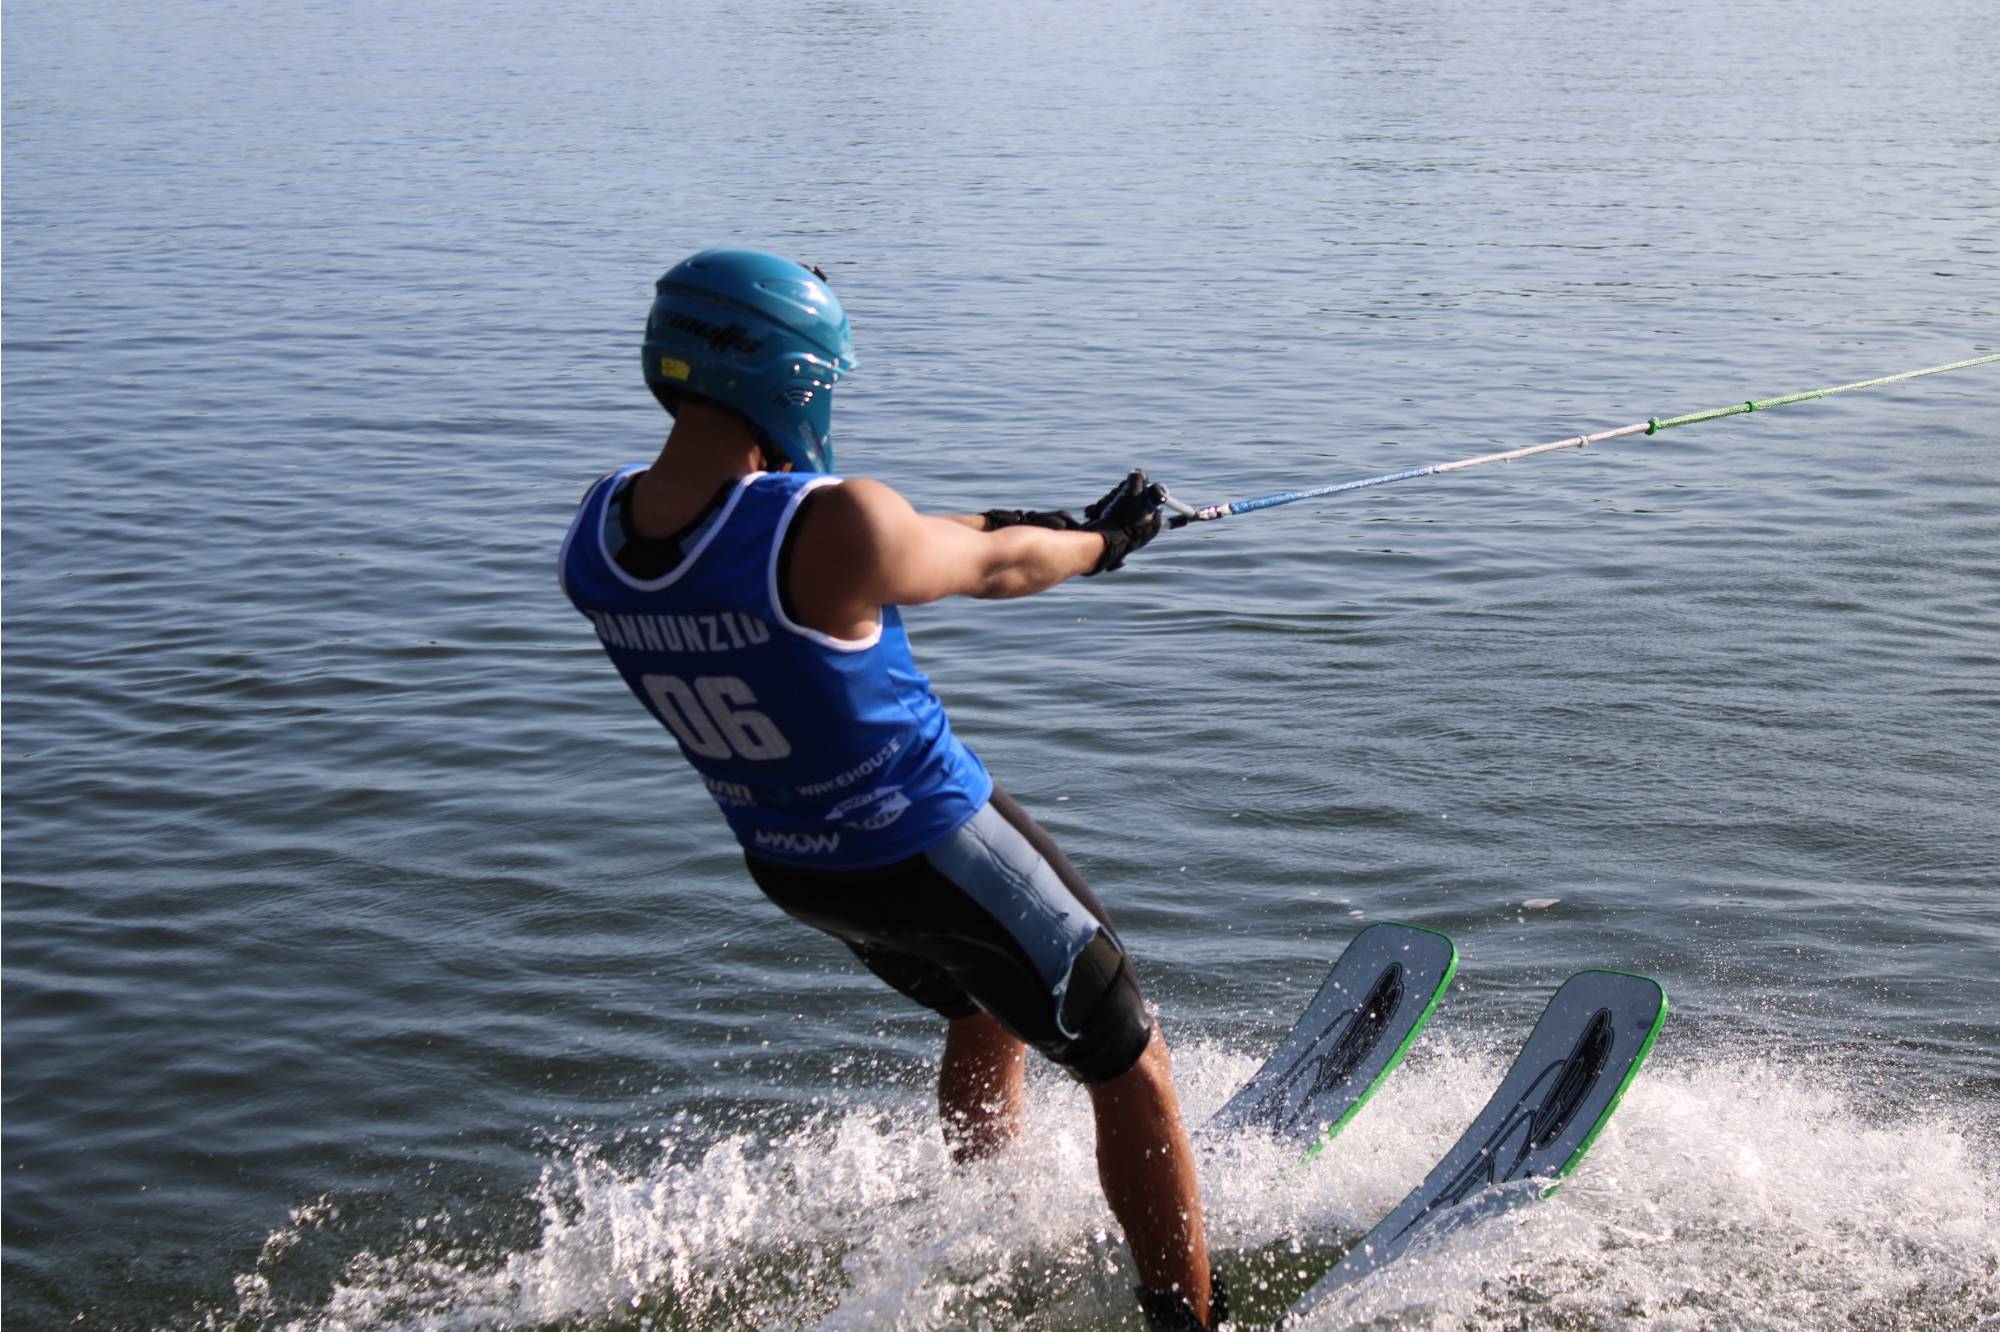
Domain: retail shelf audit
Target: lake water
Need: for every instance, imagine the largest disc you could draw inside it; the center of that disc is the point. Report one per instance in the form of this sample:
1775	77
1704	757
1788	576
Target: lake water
372	962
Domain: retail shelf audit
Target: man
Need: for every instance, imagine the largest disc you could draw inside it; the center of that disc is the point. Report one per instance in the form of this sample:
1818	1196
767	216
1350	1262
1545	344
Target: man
749	598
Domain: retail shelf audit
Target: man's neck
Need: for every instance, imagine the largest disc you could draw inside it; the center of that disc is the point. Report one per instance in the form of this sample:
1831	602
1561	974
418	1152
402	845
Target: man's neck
705	450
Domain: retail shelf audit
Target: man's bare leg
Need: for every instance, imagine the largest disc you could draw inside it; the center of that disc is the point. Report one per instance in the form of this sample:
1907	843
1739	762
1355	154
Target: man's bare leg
1147	1169
982	1087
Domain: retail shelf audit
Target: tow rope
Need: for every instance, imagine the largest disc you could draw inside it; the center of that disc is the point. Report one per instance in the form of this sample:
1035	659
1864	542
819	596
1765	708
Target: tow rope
1188	513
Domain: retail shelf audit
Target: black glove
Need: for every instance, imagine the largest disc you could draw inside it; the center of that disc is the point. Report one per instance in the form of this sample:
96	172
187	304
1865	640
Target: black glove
1057	519
1127	518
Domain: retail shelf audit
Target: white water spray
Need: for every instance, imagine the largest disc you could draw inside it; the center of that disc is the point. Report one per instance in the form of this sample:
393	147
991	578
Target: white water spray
1724	1194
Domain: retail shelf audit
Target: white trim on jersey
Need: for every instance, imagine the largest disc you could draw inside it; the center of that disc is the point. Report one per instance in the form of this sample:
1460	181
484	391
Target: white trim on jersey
672	575
582	509
778	601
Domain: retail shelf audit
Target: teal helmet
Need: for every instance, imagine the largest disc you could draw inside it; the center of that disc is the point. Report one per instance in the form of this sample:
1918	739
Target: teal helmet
756	333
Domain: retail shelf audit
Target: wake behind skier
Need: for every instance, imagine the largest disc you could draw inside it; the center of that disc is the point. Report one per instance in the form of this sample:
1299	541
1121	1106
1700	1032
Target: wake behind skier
749	598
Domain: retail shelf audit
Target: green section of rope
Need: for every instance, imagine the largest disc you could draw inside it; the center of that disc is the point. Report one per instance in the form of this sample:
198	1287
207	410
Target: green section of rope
1656	425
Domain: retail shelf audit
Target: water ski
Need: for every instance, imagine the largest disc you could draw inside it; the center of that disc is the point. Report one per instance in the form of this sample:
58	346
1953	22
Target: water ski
1357	1029
1550	1107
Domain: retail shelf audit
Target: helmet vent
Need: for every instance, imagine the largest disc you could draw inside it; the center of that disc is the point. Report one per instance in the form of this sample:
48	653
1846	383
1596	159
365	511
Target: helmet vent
795	396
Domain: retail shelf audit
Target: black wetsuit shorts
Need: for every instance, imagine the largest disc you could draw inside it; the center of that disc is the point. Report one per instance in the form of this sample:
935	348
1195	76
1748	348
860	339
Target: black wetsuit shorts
992	918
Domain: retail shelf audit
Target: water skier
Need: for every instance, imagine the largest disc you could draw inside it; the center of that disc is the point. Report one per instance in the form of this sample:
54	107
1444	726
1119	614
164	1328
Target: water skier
749	598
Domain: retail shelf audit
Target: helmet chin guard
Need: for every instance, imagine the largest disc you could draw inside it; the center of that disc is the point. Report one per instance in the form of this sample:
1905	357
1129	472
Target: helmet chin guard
758	334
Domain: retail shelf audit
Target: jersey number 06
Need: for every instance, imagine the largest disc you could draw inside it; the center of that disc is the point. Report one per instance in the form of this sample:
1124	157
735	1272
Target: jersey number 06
716	717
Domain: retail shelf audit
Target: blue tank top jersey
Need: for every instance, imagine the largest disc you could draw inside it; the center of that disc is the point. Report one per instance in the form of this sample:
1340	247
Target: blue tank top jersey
821	751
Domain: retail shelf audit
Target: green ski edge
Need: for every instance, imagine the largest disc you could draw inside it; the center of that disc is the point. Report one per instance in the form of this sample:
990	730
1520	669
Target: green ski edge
1632	1071
1416	1029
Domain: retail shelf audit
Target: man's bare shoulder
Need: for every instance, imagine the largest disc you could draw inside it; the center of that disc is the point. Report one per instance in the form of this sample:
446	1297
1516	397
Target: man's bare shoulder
859	511
866	493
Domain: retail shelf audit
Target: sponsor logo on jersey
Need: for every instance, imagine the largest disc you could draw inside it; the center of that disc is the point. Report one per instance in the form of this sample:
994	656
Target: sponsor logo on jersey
884	816
798	843
723	632
729	794
882	806
854	774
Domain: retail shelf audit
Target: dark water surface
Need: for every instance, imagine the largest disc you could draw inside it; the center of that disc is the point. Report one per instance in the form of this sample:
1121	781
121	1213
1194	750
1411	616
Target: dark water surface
371	963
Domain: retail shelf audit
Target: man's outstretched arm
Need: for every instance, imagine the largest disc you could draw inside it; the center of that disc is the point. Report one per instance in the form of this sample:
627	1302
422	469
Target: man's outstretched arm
862	546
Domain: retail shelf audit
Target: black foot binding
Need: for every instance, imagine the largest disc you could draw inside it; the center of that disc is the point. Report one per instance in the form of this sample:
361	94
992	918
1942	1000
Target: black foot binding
1167	1311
